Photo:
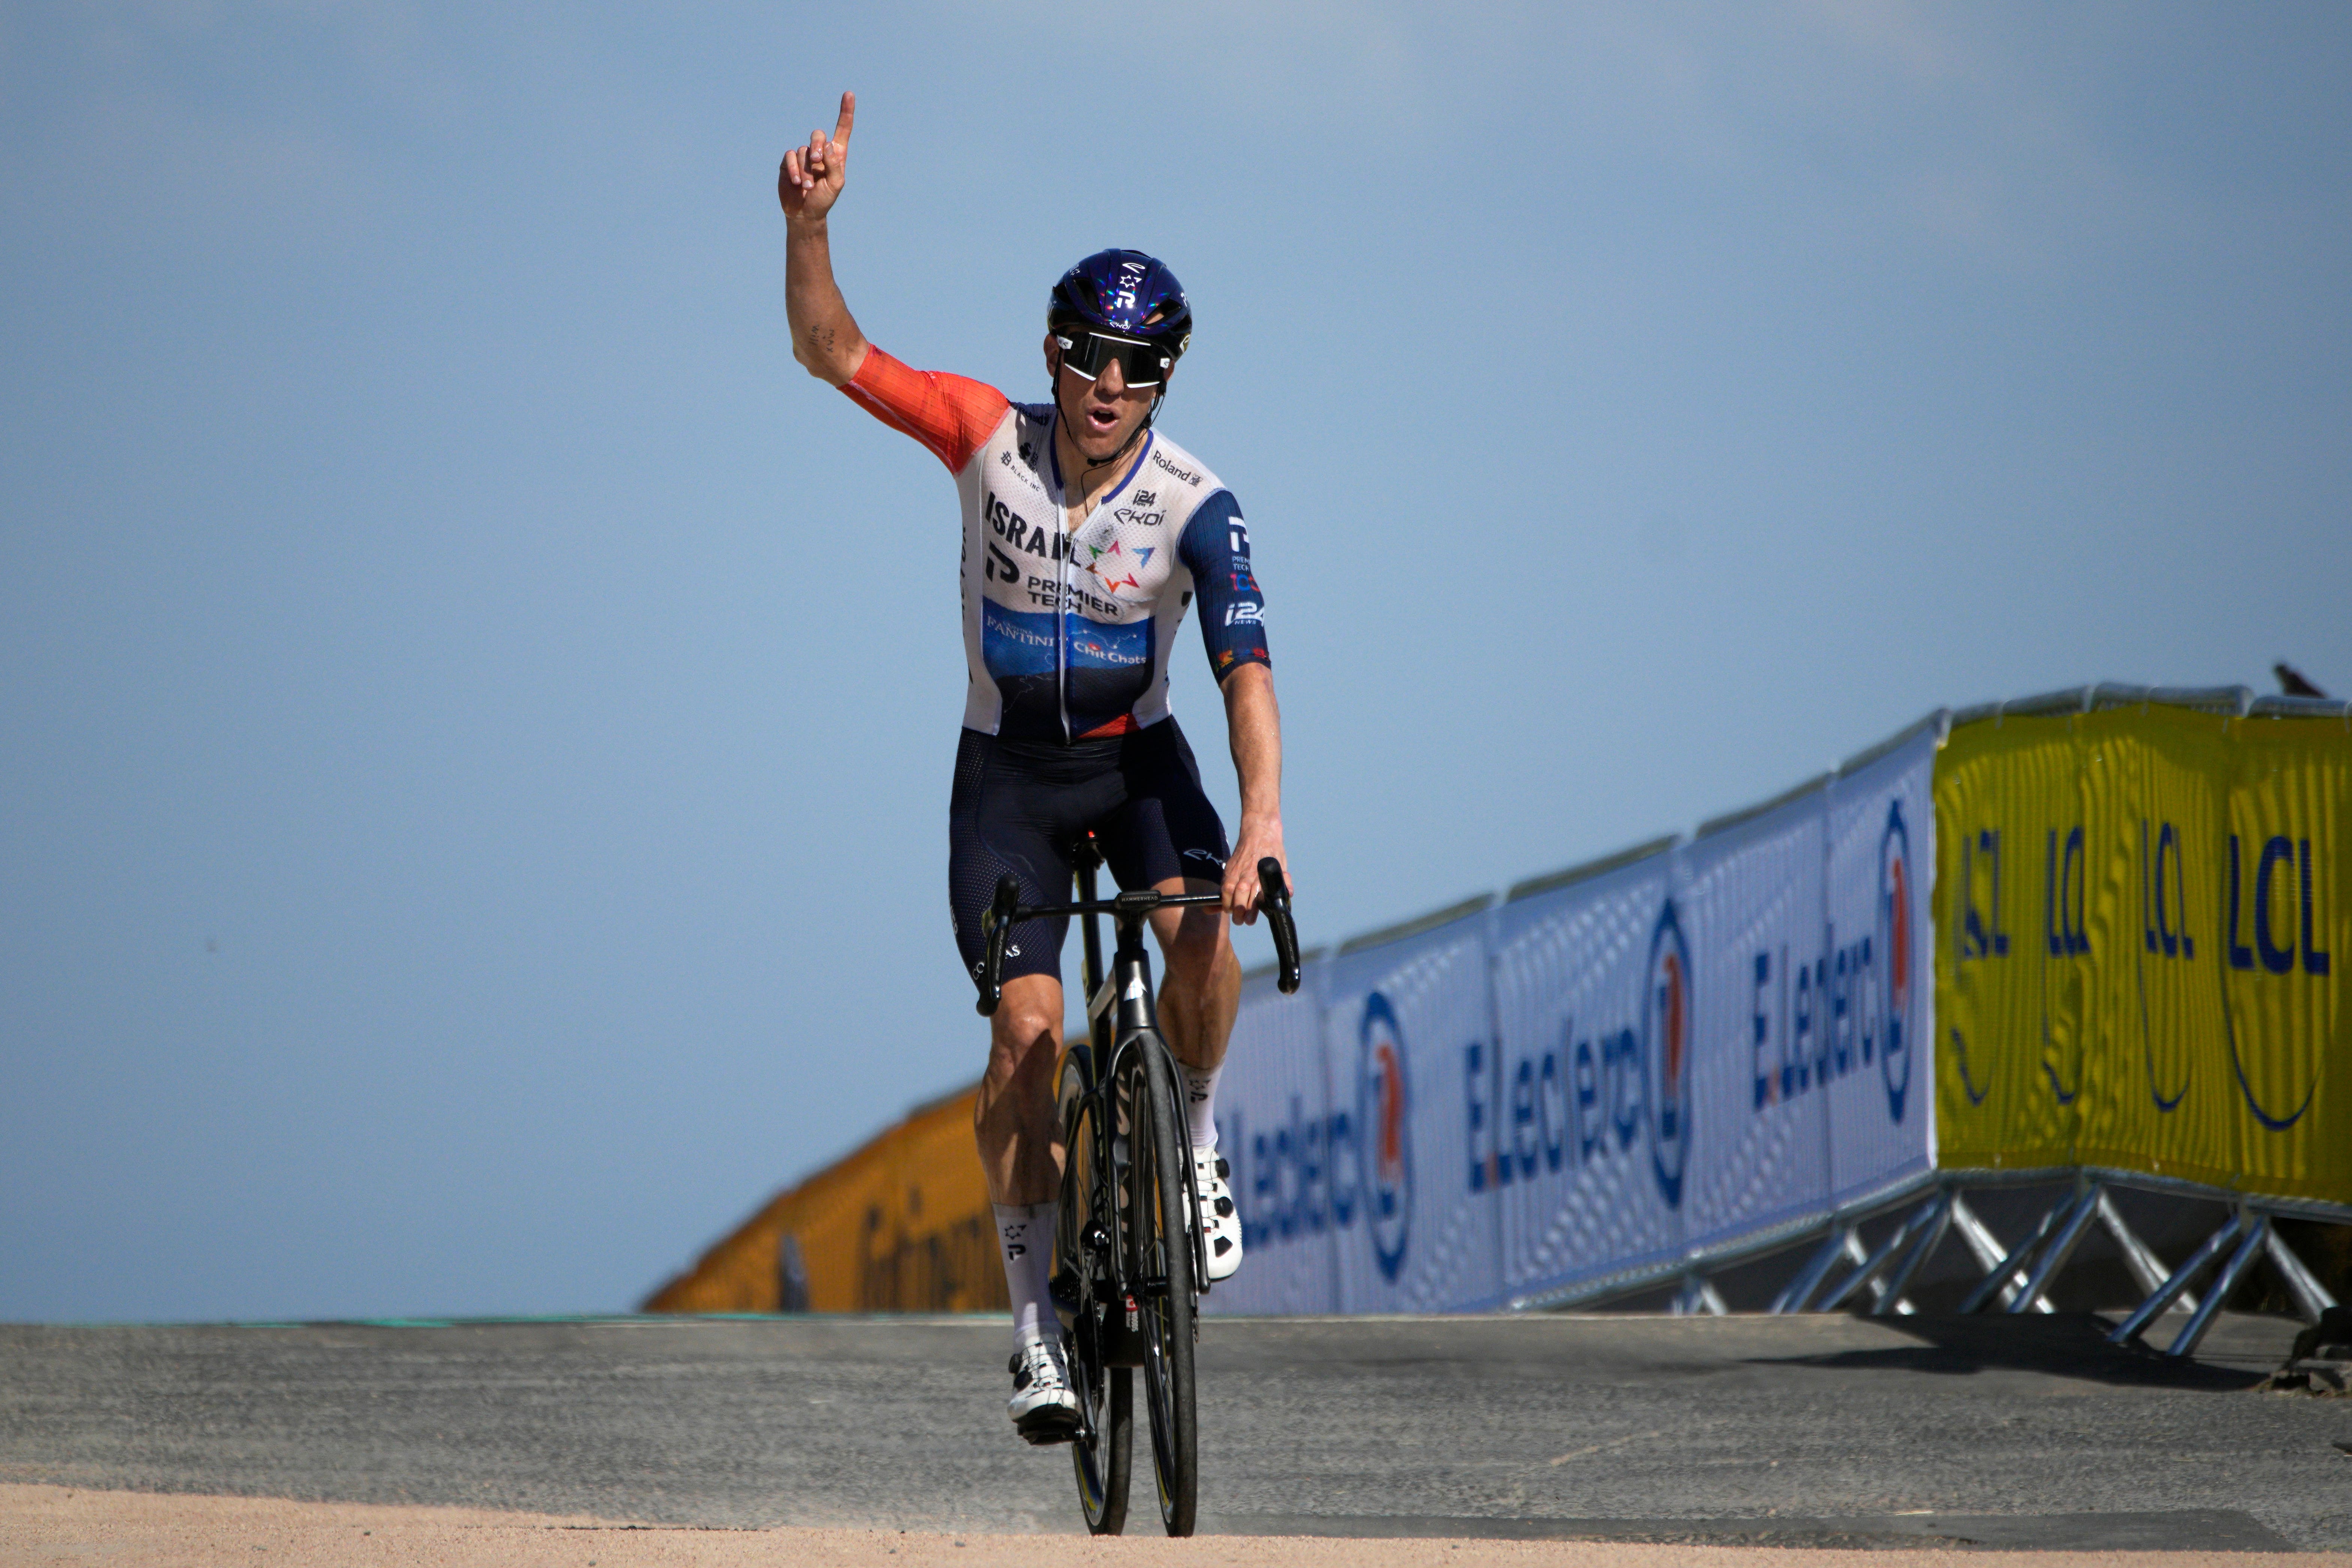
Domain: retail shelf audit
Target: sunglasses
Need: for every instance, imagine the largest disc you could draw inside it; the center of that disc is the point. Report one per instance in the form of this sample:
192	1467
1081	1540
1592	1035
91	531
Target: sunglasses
1139	364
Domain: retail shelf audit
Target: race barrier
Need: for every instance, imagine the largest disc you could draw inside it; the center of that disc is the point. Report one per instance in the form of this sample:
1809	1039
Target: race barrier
2139	897
2091	938
1613	1076
2143	904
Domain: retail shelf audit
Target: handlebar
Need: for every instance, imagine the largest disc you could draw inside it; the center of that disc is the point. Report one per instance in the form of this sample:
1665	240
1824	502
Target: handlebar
1006	911
1274	898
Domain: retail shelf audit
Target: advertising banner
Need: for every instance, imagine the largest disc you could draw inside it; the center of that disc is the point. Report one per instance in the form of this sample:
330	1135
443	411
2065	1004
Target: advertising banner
1277	1129
902	1225
1686	1051
2012	918
1880	971
1740	952
1583	1190
2138	912
1408	1032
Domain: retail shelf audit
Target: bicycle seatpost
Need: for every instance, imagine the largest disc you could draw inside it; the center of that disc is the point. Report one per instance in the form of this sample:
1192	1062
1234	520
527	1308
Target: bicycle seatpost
996	927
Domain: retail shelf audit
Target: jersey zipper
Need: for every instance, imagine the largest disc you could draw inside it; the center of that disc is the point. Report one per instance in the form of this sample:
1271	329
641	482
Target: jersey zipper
1062	624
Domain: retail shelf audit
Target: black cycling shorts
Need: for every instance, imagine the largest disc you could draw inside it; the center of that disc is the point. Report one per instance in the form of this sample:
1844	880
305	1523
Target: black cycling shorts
1020	806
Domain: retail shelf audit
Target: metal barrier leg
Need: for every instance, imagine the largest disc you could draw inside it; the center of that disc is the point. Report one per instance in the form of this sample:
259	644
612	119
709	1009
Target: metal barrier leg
1986	1247
2181	1280
1856	1253
1866	1268
1698	1295
1794	1294
1931	1235
2310	1297
2061	1247
2148	1270
2192	1333
1975	1232
2011	1270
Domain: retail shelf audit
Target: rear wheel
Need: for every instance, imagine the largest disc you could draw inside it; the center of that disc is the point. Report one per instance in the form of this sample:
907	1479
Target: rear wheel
1102	1452
1160	1237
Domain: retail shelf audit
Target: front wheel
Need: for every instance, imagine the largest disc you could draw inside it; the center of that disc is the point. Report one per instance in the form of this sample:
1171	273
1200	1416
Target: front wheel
1160	1265
1102	1450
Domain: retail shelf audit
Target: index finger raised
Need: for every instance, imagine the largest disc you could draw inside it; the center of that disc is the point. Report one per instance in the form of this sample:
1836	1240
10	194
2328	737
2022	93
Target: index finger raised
848	117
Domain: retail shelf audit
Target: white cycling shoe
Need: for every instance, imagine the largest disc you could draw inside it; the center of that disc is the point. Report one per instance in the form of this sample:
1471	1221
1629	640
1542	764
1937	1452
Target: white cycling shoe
1044	1407
1221	1223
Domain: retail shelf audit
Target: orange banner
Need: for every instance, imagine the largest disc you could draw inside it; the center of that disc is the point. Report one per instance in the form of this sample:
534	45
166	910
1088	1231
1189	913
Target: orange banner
901	1225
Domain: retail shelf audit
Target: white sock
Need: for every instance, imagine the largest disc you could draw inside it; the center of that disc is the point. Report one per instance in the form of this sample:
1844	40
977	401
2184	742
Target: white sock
1200	1103
1026	1234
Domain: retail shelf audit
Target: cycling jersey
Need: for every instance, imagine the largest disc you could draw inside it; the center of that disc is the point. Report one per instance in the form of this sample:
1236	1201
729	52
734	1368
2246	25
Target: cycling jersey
1069	622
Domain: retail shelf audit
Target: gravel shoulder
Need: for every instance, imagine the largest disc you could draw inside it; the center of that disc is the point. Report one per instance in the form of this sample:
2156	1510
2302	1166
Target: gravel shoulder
56	1524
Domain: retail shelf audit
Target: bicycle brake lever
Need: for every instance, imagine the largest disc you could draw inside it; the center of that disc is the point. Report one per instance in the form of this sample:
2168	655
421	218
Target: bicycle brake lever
1274	898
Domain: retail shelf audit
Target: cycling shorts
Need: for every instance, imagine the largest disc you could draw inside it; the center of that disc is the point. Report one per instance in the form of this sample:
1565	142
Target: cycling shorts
1021	806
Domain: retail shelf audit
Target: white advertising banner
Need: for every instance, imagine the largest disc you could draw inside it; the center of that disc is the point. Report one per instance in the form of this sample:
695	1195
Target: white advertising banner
1408	1031
1574	1144
1752	1115
1880	972
1671	1059
1276	1130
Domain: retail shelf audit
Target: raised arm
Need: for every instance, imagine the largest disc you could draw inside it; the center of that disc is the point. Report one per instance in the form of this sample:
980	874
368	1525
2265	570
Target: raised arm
825	338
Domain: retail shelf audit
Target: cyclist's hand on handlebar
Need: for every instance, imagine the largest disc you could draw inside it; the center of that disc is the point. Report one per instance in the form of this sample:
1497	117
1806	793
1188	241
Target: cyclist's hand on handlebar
1259	842
809	181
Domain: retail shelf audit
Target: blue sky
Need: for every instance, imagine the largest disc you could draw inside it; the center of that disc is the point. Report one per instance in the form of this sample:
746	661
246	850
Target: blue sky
479	717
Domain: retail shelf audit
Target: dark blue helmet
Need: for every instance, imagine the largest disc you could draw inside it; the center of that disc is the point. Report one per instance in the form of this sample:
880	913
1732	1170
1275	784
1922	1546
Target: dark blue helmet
1122	291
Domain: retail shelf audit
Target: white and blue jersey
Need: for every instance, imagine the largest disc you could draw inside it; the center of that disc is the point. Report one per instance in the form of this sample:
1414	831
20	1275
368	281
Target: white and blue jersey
1069	621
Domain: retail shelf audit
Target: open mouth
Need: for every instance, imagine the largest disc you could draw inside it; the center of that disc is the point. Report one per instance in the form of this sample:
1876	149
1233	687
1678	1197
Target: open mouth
1102	421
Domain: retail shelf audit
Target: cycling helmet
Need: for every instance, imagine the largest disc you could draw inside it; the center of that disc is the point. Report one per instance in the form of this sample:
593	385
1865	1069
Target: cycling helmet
1121	292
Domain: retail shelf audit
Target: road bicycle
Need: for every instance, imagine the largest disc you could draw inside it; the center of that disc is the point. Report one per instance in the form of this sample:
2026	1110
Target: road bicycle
1129	1264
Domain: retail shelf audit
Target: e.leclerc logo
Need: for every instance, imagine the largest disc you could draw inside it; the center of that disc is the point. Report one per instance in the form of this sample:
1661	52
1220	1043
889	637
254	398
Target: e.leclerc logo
1666	1053
1895	937
1383	1120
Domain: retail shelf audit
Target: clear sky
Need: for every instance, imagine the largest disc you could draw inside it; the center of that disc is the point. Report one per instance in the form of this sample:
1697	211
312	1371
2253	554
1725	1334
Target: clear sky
477	717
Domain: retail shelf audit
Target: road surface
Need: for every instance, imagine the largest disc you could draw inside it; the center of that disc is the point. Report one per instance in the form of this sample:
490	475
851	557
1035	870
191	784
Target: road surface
1814	1431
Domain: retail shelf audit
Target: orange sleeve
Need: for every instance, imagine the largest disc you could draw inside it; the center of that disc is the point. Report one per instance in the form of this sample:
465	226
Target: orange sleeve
951	415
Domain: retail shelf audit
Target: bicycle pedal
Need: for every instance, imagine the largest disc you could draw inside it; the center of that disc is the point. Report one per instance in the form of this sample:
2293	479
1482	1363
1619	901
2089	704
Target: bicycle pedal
1047	1430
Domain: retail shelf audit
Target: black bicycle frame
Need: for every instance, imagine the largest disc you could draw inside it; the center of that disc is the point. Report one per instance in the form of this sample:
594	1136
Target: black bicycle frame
1122	1016
1120	1013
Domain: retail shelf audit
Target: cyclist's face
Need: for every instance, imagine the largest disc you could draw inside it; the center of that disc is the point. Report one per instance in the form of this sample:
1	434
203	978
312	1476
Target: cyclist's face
1101	415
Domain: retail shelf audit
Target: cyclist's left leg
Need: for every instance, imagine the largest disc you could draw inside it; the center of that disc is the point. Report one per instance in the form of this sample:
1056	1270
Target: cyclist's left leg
1167	836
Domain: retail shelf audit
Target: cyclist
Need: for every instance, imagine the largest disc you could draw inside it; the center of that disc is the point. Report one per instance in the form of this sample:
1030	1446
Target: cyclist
1087	534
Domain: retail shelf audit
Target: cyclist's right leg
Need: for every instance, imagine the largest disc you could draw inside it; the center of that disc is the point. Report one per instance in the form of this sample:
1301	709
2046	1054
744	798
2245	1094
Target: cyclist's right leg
1014	1125
1003	817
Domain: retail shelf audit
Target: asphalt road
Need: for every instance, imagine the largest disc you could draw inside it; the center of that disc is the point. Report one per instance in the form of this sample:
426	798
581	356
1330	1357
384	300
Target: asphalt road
1813	1431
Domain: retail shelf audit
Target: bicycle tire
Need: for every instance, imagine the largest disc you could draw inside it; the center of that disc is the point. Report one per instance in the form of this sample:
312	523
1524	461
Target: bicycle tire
1102	1453
1160	1242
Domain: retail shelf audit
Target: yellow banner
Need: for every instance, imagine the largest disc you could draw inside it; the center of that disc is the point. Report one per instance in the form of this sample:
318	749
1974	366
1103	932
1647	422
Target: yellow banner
2140	914
900	1225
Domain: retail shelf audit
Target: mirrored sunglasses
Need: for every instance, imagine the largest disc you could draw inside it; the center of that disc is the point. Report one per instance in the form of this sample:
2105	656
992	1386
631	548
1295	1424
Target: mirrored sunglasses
1139	362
